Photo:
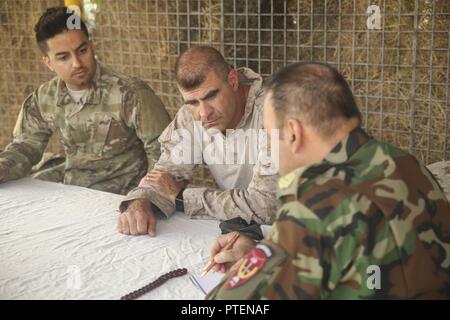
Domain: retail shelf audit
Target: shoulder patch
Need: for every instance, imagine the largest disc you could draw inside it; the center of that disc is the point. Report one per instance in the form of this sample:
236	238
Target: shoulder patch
250	266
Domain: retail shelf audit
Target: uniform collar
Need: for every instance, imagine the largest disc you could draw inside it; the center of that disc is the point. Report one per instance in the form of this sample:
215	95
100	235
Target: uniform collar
250	78
341	153
94	92
347	147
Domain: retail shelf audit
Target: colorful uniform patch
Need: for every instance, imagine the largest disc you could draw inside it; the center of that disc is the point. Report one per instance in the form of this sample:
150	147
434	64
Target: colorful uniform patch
254	262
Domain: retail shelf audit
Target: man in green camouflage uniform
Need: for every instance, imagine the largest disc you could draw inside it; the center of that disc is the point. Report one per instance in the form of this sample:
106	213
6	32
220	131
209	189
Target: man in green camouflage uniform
360	218
109	123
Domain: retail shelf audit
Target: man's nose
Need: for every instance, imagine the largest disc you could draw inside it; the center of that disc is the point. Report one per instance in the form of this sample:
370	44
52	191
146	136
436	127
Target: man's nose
205	110
76	63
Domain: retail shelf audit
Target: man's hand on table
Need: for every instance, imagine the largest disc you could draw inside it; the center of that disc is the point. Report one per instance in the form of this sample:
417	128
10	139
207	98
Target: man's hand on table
227	258
138	219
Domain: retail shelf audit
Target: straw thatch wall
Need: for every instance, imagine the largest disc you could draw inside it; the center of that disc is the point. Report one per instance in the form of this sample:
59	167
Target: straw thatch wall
400	74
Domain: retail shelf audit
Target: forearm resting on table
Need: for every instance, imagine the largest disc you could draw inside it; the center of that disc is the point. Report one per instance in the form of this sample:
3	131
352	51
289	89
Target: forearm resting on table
159	203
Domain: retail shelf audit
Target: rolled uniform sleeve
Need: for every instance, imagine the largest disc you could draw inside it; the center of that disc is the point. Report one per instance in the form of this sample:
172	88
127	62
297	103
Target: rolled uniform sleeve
171	140
258	202
309	271
30	138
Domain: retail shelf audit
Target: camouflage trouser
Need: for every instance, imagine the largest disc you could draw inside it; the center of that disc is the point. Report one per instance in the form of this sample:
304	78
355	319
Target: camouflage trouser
50	168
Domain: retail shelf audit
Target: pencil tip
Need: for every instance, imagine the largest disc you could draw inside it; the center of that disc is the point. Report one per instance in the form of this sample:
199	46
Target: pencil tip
203	273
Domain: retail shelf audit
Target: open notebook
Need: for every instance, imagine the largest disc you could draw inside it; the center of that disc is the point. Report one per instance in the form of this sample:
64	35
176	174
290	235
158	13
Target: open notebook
208	282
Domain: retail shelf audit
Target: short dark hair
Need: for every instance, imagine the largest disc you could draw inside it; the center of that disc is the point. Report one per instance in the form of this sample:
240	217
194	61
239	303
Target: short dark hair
52	22
315	92
194	64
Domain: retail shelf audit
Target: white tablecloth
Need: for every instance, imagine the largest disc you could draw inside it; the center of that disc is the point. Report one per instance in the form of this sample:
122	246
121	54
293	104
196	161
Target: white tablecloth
60	242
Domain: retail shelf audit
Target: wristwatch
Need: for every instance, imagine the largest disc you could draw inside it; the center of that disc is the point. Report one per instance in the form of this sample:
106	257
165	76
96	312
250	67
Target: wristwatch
179	201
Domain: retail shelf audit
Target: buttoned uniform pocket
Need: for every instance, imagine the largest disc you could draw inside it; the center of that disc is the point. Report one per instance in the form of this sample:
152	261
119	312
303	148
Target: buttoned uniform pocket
110	135
100	127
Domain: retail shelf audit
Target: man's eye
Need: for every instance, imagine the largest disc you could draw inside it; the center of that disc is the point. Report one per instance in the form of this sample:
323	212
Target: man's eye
83	50
212	96
63	58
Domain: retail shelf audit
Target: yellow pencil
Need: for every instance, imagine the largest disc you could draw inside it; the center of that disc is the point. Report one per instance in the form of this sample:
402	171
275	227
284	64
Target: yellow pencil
212	263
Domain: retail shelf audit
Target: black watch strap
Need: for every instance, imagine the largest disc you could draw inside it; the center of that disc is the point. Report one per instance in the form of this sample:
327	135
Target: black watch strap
179	201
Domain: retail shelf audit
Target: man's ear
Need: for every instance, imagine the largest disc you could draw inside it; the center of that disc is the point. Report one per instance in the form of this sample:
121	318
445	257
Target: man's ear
294	134
233	79
46	61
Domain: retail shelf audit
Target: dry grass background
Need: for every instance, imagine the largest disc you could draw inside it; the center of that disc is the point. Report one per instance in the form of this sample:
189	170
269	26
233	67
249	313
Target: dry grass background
399	74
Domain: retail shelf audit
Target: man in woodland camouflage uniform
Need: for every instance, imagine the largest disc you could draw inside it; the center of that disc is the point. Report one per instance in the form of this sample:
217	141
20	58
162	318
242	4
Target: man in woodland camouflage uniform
360	218
109	123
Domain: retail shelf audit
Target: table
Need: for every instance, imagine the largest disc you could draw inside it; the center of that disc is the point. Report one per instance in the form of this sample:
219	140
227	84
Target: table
60	242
